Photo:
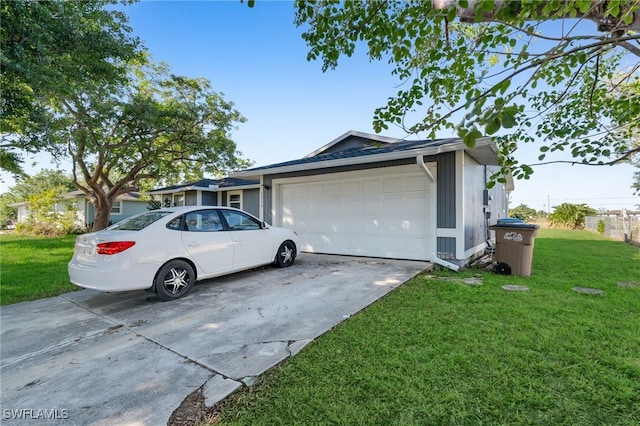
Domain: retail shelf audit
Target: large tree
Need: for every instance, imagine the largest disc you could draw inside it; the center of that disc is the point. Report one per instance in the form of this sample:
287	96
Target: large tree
77	84
50	50
156	126
564	74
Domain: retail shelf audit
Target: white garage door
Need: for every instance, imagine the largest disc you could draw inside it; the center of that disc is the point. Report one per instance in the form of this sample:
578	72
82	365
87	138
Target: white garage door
380	212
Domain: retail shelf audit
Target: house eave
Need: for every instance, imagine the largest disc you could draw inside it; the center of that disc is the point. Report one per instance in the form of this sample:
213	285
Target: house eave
202	188
365	159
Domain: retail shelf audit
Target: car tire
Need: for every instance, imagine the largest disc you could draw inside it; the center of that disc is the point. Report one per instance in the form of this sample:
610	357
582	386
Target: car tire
285	255
174	280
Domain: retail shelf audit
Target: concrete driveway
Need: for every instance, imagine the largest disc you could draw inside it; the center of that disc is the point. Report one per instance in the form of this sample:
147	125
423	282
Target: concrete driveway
92	358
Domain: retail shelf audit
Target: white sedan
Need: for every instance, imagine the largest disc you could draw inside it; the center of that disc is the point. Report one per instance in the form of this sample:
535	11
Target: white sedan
167	250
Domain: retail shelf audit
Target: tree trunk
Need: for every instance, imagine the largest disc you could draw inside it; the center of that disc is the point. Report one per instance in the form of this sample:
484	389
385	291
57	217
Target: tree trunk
102	206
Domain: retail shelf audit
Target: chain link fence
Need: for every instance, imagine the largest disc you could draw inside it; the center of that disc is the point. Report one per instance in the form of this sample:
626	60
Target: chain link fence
625	229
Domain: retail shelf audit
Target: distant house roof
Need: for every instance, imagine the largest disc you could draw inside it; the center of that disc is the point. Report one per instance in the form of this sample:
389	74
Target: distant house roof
129	196
483	152
209	185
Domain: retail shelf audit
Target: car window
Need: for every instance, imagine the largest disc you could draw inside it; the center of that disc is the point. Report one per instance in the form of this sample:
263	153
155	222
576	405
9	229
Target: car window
141	221
239	221
175	224
203	221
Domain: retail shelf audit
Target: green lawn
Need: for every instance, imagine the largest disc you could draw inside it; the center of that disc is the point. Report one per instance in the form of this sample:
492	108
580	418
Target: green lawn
33	267
438	352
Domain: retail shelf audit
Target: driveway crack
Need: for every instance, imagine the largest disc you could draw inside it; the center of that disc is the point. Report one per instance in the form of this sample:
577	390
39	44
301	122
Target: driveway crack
130	328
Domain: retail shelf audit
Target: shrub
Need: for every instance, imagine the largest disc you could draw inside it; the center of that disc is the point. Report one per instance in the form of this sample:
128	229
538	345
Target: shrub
571	216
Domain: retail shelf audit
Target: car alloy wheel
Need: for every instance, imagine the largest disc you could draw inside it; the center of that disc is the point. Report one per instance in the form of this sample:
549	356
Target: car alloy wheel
174	280
286	254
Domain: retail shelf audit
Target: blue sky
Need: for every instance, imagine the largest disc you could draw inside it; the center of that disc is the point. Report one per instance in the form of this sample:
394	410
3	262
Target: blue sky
257	58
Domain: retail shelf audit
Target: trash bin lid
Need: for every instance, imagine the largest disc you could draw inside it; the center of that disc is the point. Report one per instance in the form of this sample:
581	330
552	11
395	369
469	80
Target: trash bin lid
509	221
519	225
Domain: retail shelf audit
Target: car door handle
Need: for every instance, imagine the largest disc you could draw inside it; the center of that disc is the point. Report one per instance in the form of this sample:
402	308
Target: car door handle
193	244
238	241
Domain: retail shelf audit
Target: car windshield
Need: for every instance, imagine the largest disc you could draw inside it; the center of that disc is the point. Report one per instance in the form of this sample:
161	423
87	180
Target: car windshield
141	221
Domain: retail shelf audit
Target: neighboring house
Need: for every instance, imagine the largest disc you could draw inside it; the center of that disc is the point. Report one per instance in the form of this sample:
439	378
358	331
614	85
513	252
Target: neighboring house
239	193
367	195
126	205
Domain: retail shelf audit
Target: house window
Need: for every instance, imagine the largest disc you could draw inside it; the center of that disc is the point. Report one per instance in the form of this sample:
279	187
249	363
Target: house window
116	208
178	199
234	199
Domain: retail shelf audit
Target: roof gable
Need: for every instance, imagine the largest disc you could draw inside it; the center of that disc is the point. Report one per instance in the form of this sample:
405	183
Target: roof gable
483	152
352	140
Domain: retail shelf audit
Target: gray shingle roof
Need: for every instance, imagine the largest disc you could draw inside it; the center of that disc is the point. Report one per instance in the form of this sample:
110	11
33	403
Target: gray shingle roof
360	152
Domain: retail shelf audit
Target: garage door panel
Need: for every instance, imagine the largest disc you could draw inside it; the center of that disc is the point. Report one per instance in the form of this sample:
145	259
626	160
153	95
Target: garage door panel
394	204
332	189
372	186
371	226
413	203
332	206
316	191
352	206
393	184
380	213
351	188
371	205
416	183
315	224
405	227
347	225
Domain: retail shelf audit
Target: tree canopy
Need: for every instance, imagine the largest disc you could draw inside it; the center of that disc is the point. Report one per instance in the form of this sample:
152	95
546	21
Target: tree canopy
571	215
564	74
523	212
158	126
77	84
50	50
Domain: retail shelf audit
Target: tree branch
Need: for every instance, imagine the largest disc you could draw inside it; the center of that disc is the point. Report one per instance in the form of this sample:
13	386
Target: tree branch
631	48
529	66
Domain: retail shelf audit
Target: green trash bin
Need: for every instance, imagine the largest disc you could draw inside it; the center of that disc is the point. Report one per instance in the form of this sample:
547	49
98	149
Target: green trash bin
514	246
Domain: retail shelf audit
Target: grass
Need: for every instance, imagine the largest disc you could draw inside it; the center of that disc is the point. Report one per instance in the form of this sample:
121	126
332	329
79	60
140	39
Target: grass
33	268
436	351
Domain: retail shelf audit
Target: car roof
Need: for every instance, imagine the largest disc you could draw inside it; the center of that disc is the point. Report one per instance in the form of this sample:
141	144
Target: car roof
183	209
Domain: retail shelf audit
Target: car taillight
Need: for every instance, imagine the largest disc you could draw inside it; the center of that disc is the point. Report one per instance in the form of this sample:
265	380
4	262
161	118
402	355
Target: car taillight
114	247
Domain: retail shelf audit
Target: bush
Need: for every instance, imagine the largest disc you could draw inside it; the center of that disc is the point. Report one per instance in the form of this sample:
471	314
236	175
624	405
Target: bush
572	216
601	227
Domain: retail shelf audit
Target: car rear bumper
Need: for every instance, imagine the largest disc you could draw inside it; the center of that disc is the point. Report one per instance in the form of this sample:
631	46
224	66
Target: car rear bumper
112	279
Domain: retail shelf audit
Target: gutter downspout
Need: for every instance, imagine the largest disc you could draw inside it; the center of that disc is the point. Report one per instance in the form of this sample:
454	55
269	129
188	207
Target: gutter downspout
432	179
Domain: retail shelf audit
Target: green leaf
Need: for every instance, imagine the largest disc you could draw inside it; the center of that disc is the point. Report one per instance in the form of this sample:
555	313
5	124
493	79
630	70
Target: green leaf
493	126
584	5
508	121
